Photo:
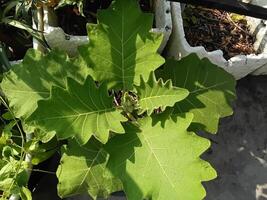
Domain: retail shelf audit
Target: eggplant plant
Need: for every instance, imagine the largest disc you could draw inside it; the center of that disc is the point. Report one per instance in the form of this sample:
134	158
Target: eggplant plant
127	117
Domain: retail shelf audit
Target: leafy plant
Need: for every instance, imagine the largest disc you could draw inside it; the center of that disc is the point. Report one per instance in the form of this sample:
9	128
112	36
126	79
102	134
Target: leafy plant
128	121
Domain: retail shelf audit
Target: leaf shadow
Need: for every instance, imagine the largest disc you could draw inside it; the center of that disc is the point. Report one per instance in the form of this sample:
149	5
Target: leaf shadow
118	160
91	157
115	40
39	72
124	46
210	87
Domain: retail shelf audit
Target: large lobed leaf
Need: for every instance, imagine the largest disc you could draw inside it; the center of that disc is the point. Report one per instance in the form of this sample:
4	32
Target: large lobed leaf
121	45
157	94
80	111
211	89
30	81
159	162
83	169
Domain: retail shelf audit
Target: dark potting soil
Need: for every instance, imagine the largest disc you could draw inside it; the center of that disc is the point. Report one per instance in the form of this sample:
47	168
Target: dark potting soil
73	23
215	29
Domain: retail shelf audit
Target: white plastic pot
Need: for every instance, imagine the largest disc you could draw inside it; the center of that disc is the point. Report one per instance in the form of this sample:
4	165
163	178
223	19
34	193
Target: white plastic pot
57	38
239	66
262	35
163	20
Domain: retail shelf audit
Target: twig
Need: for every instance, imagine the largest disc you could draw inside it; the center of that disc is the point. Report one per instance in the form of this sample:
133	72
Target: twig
43	171
230	19
22	153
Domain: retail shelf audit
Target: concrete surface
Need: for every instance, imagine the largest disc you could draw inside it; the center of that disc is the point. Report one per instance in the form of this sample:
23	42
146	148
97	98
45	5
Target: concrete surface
239	152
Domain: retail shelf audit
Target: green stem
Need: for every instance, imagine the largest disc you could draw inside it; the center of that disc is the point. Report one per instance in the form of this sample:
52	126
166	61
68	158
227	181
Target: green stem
36	45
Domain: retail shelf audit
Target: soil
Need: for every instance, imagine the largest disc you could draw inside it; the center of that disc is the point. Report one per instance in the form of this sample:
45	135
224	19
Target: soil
215	29
74	23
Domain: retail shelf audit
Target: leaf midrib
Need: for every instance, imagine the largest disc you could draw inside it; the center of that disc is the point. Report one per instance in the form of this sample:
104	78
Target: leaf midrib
89	169
210	87
154	97
27	91
157	160
78	115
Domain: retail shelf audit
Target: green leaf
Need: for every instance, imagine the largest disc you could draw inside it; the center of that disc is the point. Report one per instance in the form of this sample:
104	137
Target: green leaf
83	170
22	178
25	194
44	136
8	128
12	175
30	81
155	94
8	152
159	162
41	151
121	45
6	184
8	116
80	111
212	90
41	157
39	134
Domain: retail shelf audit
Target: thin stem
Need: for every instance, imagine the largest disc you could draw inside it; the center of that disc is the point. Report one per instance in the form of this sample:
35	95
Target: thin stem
28	157
22	153
43	171
238	27
14	118
116	102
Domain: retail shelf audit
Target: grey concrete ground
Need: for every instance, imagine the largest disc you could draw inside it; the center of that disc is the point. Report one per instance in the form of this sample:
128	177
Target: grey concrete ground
239	151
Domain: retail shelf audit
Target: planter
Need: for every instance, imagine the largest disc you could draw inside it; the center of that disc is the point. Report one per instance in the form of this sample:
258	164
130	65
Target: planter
57	38
239	66
163	20
262	37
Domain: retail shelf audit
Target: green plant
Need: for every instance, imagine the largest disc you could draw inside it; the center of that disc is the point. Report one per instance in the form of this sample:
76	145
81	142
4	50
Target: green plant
128	118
